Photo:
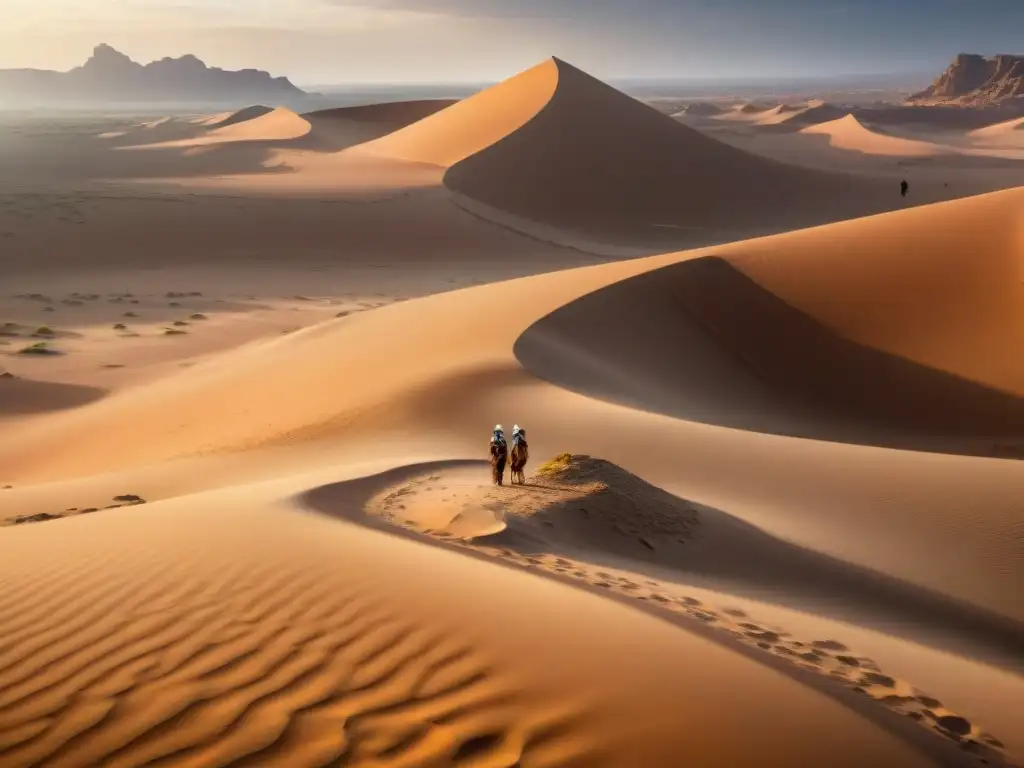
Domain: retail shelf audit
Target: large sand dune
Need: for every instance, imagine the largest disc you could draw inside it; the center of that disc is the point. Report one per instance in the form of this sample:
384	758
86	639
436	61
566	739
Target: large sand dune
556	146
256	550
908	320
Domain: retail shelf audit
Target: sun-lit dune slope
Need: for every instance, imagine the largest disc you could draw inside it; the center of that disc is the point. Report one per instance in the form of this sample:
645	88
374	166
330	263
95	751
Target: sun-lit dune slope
897	282
395	113
231	628
910	320
473	124
593	158
849	133
1008	129
254	124
240	116
794	118
344	127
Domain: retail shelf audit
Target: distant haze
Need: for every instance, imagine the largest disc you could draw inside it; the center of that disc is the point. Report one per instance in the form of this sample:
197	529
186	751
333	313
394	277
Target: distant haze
316	42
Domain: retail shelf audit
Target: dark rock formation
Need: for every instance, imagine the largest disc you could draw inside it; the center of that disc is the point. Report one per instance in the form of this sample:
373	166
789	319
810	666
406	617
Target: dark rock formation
973	80
110	76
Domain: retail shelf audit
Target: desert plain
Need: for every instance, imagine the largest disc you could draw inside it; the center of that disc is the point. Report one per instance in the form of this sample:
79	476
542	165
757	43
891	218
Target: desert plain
251	361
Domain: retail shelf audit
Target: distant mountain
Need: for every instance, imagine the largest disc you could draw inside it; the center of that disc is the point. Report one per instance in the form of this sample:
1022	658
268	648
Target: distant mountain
110	76
977	81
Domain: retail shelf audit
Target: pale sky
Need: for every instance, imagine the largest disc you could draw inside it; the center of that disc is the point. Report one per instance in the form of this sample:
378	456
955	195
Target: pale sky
339	41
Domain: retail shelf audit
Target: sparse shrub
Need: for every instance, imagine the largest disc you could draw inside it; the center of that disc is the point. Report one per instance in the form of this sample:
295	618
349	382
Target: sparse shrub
120	327
198	316
44	330
39	348
559	463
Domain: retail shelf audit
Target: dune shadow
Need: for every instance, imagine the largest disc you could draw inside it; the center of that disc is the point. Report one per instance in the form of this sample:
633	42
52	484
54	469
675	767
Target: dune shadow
734	557
23	397
347	501
701	341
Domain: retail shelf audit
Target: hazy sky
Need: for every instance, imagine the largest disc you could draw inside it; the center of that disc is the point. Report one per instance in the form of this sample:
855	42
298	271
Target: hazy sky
338	41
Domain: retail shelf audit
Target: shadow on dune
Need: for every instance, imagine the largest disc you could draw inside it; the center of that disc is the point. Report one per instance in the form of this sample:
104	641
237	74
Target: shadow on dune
737	558
330	131
23	397
701	341
595	160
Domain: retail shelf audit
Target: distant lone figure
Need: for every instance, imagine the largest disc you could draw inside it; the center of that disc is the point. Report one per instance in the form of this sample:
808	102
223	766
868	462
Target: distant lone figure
904	187
520	454
499	455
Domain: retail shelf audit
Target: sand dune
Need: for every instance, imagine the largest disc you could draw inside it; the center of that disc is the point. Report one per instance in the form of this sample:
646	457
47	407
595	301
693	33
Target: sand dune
849	133
473	124
240	116
1008	132
795	117
582	519
260	643
753	572
19	397
642	171
527	147
700	109
254	124
466	376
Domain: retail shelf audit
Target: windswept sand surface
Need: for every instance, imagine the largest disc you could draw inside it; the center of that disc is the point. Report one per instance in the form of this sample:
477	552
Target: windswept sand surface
246	387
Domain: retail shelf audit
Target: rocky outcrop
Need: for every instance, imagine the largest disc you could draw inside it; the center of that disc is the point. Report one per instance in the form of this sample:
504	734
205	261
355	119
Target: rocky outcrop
110	76
977	81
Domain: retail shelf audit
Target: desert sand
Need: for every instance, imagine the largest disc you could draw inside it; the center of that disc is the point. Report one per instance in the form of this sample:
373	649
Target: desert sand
249	363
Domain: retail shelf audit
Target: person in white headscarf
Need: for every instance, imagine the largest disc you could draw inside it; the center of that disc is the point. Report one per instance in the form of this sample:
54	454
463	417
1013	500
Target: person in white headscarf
499	455
520	454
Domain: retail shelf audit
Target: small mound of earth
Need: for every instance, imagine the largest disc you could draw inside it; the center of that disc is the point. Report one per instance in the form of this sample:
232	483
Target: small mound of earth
571	502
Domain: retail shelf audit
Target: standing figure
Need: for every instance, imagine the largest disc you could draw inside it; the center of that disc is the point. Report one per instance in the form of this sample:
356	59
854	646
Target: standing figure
520	454
904	187
499	455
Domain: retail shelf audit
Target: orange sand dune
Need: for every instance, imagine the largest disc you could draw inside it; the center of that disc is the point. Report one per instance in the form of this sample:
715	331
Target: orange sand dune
177	585
794	117
863	280
1008	131
232	627
910	320
473	124
255	124
337	129
240	116
849	133
528	147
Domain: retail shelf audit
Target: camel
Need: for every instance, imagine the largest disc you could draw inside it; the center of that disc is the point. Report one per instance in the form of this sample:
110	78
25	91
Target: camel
520	455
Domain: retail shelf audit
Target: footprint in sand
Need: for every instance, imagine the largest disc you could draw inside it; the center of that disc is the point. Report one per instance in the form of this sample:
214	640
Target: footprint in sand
829	645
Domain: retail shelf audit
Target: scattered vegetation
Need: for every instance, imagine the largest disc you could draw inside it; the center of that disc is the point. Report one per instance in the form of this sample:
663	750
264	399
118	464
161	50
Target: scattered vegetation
130	314
174	332
198	316
120	327
559	463
39	348
44	330
180	323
